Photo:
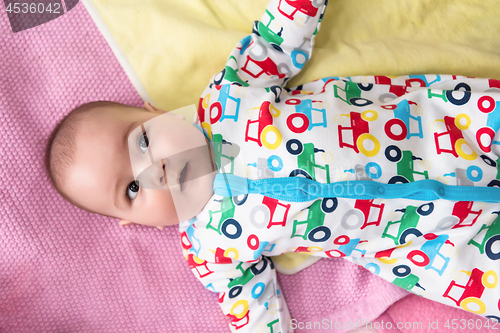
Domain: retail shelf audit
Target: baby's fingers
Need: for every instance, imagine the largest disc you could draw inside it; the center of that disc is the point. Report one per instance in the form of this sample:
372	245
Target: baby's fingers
124	223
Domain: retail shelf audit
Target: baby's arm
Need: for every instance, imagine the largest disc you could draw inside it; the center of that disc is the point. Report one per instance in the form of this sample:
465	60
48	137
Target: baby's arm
279	46
248	292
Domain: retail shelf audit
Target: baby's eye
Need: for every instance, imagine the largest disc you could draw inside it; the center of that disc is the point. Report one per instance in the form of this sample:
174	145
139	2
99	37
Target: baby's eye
143	142
132	190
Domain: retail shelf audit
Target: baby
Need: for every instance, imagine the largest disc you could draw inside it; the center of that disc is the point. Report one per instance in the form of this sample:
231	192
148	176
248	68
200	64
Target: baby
398	175
80	163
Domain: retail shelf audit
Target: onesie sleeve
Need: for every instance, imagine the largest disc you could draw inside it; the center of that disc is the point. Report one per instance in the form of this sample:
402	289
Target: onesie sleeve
248	292
245	280
279	46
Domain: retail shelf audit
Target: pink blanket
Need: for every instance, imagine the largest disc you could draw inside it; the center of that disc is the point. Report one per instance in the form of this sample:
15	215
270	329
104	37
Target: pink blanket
66	270
417	314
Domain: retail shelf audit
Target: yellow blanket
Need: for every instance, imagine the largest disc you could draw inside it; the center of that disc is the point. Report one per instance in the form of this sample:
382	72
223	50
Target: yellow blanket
171	48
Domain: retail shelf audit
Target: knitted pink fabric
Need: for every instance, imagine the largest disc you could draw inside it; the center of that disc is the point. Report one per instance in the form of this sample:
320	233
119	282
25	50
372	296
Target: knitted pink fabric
413	311
66	270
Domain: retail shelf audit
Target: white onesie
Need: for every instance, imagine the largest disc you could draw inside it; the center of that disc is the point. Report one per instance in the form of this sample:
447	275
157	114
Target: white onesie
399	175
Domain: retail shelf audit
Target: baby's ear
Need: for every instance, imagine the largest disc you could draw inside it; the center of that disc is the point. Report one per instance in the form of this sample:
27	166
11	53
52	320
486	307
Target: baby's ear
151	108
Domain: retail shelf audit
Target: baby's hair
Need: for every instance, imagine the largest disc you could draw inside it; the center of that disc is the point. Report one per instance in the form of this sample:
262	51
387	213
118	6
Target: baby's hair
60	149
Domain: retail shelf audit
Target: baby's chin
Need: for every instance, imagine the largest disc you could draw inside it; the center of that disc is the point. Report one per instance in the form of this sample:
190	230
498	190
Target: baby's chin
194	196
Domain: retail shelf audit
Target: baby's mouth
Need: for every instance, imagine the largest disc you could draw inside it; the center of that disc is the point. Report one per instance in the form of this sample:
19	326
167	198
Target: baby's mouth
164	178
182	174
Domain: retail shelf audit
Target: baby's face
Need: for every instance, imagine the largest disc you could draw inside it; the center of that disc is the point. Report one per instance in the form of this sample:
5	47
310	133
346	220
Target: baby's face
151	168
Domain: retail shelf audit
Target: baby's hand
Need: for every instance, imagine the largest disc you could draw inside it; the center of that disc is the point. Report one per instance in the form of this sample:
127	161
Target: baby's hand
125	222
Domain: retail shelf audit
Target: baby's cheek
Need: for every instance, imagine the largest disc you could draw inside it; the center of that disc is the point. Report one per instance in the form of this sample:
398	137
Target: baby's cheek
167	208
205	190
157	208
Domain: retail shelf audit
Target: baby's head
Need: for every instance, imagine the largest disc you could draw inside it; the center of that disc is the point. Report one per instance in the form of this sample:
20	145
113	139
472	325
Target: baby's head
141	165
